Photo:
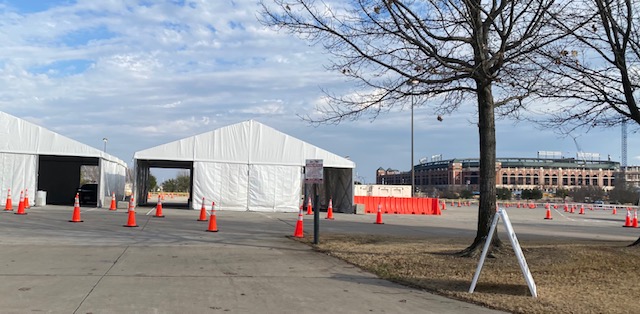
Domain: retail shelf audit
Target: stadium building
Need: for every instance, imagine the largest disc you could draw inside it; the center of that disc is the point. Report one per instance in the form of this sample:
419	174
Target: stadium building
547	174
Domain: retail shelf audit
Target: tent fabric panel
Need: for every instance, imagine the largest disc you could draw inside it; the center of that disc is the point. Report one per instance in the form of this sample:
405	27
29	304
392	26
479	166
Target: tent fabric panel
21	136
246	142
177	150
228	144
223	183
112	179
17	172
269	146
274	188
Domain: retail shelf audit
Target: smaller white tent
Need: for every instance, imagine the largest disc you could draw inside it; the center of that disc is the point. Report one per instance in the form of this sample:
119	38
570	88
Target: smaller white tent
249	166
32	157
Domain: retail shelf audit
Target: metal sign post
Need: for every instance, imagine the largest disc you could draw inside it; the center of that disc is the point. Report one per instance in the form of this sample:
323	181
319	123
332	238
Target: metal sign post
314	174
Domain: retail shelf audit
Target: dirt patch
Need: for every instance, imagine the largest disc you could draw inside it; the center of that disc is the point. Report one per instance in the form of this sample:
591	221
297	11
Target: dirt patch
587	277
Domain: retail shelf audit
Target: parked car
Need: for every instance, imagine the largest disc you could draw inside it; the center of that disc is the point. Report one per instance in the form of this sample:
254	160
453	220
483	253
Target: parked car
88	194
598	204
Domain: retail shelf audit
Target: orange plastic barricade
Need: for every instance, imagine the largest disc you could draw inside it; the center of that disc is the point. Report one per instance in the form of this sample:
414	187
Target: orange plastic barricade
377	201
386	206
402	205
413	205
424	206
436	210
406	206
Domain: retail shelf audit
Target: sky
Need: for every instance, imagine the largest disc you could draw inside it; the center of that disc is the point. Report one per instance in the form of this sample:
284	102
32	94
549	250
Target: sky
144	73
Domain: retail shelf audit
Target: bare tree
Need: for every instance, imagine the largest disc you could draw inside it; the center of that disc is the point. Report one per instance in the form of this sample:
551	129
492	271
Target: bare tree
595	70
444	52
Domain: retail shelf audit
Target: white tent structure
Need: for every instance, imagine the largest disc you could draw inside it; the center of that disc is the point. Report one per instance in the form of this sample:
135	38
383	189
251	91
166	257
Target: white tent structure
37	159
249	166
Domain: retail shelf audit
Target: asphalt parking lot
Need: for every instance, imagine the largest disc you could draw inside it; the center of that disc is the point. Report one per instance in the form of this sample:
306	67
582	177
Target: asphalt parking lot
172	265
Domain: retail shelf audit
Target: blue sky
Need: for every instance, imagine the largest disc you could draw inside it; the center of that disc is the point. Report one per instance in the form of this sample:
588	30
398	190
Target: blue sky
144	73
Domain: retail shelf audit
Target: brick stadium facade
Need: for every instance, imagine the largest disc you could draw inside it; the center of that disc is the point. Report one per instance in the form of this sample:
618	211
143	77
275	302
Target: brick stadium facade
511	173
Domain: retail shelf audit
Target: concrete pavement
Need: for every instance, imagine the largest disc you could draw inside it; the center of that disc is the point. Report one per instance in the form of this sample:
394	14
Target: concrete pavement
171	265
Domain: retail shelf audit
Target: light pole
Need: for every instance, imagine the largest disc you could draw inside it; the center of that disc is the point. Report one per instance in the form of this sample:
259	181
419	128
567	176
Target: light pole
105	140
413	84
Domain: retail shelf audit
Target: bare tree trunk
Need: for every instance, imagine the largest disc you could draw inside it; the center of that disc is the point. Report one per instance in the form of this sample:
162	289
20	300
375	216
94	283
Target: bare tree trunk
487	208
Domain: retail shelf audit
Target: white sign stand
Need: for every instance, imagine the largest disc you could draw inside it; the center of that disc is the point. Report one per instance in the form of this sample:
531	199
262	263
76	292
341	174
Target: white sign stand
516	249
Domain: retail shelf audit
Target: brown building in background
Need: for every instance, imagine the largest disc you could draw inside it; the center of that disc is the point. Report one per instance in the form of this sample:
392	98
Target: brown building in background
512	173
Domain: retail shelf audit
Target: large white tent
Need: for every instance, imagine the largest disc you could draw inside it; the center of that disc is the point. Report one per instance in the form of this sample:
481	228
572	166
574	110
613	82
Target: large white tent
34	158
249	166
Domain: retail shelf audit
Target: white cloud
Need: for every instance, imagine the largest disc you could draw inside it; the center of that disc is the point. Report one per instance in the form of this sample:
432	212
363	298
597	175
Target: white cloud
157	73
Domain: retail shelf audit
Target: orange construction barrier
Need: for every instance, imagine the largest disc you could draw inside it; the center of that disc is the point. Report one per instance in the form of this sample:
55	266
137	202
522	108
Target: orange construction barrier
627	221
309	207
21	205
417	206
548	217
8	205
76	210
330	210
131	220
26	199
379	216
299	232
203	212
113	202
159	209
213	225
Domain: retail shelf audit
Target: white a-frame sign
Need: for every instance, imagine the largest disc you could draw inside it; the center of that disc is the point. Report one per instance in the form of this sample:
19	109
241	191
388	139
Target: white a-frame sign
516	249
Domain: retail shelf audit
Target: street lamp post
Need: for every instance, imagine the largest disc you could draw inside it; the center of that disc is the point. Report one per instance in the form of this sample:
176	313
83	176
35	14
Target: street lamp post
413	83
105	140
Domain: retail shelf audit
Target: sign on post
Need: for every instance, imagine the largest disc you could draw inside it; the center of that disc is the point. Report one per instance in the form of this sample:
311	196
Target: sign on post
314	172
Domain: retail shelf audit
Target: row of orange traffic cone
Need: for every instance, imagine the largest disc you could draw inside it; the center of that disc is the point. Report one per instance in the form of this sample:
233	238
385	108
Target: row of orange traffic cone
131	221
22	205
630	223
299	230
329	209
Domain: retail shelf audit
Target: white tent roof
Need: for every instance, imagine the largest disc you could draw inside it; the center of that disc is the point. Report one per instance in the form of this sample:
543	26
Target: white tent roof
248	142
21	137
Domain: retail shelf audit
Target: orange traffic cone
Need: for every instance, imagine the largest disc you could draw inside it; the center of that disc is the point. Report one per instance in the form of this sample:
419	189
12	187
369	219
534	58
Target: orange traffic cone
76	210
581	210
555	206
548	217
379	216
444	205
566	208
330	210
26	199
634	224
8	205
113	201
203	212
299	232
459	205
213	225
21	205
573	208
614	211
627	221
309	207
131	221
159	209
